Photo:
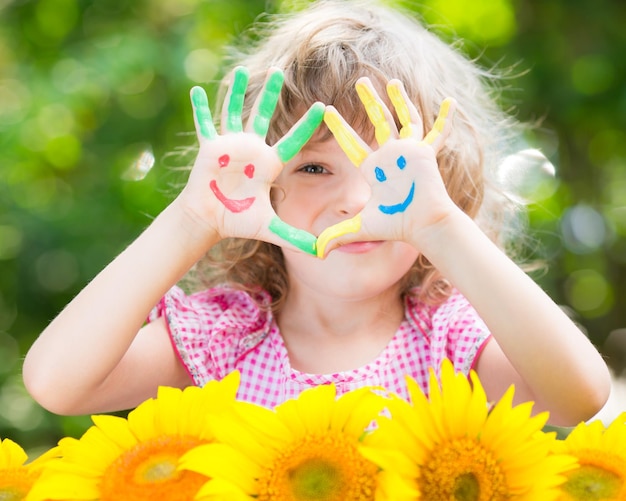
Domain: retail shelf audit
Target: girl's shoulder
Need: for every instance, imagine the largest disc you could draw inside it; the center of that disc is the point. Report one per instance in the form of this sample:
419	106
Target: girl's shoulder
213	328
221	302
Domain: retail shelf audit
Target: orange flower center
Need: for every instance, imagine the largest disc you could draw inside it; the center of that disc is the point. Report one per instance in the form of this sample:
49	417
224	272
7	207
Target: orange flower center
15	483
462	470
148	472
320	468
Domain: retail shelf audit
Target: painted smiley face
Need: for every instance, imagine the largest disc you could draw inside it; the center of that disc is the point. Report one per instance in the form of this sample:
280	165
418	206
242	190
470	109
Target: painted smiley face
402	206
233	205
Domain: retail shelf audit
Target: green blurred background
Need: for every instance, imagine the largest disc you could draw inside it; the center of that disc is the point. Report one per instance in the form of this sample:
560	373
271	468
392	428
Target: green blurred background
92	92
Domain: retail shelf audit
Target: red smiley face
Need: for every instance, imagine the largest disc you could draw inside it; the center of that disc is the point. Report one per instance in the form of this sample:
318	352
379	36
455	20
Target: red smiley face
231	204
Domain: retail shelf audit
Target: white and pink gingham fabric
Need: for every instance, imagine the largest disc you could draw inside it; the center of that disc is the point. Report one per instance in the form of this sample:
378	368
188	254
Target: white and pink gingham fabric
221	330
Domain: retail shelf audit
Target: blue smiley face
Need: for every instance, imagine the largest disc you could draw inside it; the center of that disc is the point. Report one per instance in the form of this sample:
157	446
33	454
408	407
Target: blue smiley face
402	206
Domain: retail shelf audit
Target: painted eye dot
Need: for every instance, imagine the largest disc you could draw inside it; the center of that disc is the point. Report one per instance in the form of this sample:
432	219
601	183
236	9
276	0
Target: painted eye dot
223	160
248	170
401	162
380	174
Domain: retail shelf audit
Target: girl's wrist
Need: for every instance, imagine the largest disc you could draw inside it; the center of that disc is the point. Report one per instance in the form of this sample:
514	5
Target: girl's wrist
445	231
190	228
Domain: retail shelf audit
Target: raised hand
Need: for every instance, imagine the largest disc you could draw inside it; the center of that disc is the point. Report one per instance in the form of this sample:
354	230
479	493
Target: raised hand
229	185
408	193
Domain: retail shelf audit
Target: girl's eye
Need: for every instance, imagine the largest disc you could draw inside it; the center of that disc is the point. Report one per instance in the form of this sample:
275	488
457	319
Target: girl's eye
313	169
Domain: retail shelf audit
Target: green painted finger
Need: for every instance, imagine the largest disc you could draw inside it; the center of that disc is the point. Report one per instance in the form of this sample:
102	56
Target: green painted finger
303	240
202	113
268	101
296	138
241	76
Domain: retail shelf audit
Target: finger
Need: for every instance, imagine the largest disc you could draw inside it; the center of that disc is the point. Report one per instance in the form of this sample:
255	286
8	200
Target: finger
441	128
410	119
292	142
376	111
300	239
349	141
231	114
266	102
202	114
336	231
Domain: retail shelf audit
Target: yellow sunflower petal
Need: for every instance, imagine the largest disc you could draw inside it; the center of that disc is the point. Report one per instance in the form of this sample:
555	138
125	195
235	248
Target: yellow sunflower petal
224	462
61	486
94	450
615	434
115	429
455	400
11	454
141	421
390	460
221	489
168	408
427	427
477	408
354	411
242	434
392	487
311	408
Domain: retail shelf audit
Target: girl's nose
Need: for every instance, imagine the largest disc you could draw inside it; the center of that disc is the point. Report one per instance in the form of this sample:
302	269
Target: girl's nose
353	193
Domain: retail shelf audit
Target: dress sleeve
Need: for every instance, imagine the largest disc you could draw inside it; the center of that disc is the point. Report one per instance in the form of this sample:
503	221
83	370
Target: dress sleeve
461	332
211	329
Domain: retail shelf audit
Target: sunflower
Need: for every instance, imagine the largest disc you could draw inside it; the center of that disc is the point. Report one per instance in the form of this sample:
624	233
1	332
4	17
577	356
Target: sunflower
456	449
17	477
601	452
305	449
136	459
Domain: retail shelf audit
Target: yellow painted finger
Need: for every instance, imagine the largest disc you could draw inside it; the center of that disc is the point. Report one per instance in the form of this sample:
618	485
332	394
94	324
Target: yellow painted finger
346	138
440	123
351	225
375	112
402	110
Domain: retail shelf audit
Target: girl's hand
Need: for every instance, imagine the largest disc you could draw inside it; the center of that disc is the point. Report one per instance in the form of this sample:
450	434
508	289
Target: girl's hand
229	185
408	193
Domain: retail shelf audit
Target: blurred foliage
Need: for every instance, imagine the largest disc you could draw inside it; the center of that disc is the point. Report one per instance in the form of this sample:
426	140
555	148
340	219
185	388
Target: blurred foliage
92	92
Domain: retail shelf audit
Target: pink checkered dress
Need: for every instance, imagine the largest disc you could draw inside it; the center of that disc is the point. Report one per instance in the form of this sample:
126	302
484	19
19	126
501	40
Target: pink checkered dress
221	330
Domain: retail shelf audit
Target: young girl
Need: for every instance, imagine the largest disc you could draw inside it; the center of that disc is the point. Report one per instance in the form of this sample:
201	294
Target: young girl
412	269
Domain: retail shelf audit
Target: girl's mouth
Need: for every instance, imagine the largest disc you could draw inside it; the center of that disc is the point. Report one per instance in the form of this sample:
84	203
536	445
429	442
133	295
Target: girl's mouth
360	247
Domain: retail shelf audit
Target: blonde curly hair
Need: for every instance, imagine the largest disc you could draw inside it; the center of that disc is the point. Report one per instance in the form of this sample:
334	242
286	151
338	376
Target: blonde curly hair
323	50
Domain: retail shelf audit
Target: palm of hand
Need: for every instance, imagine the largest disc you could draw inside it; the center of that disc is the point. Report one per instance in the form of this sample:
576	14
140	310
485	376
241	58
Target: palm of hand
239	167
407	189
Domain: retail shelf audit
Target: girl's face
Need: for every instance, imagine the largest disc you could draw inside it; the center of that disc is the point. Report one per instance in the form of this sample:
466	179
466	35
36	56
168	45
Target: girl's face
320	187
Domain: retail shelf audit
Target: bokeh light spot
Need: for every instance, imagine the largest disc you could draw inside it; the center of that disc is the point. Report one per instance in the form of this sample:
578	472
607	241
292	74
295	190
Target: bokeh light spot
592	74
63	152
487	21
56	18
10	241
583	229
14	102
201	65
55	120
57	270
589	293
528	176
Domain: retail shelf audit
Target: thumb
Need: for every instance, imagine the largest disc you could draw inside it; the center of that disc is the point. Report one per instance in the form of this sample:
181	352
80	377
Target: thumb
337	234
